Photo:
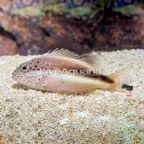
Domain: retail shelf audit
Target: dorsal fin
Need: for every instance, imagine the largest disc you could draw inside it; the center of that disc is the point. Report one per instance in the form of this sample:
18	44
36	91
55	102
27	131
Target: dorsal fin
63	52
92	59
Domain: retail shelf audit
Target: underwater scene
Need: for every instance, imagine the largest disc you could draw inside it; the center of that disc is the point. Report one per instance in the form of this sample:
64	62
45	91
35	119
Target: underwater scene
71	72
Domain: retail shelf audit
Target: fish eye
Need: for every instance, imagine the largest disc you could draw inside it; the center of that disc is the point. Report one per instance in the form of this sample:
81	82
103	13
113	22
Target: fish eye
24	67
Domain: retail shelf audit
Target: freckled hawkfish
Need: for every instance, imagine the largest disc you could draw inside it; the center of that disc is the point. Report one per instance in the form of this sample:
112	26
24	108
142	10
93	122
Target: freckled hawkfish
65	71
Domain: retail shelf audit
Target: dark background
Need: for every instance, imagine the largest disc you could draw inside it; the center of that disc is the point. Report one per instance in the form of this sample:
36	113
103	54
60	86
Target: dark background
36	26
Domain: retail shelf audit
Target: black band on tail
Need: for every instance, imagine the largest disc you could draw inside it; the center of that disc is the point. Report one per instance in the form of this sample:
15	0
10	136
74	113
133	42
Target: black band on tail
127	87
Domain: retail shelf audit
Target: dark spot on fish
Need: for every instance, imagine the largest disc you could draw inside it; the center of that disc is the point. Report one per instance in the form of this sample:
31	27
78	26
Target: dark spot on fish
37	61
35	65
127	87
78	71
33	69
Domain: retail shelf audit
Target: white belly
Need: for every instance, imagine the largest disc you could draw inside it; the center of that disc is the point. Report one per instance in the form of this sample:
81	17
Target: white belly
69	83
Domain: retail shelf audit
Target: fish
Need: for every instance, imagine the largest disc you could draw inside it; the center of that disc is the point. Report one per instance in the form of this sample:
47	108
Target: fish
61	70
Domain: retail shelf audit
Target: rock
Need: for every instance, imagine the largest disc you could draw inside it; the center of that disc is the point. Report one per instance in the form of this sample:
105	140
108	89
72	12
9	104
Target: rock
7	46
36	26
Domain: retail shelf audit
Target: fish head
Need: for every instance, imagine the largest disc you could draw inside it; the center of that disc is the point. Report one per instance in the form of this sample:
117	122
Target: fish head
29	73
21	72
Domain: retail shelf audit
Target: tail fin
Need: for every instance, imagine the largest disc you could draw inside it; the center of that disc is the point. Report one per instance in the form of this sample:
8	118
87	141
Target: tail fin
121	79
122	76
121	87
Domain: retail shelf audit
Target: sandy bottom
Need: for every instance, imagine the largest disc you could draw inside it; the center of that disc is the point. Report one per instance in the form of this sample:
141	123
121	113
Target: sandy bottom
101	117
